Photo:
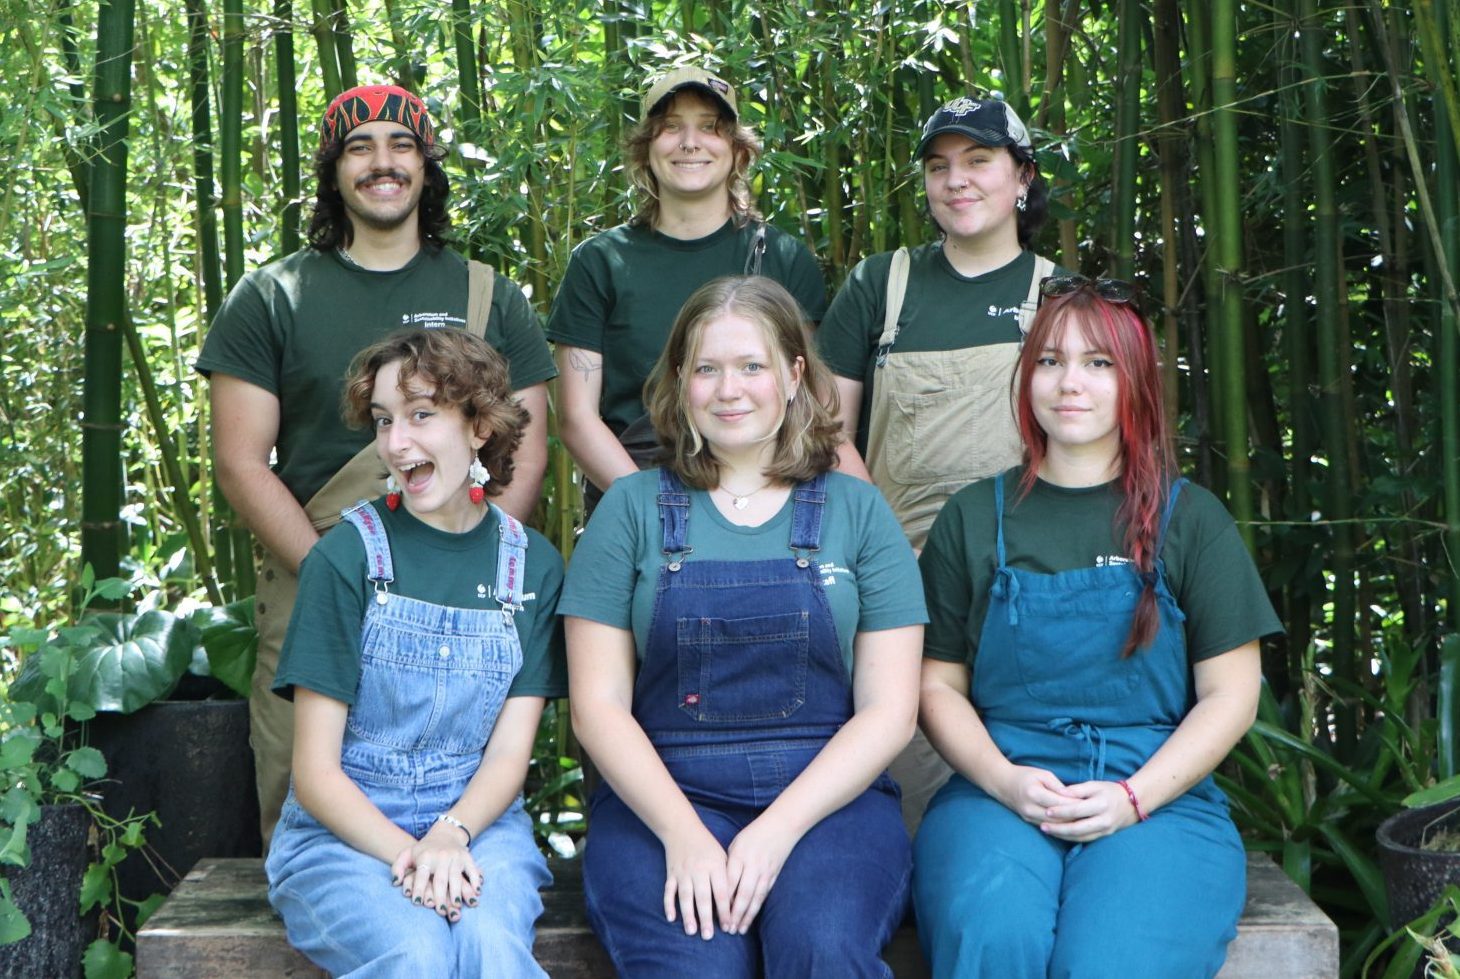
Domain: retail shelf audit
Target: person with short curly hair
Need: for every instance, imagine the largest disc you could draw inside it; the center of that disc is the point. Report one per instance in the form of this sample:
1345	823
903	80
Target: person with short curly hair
421	651
277	351
689	158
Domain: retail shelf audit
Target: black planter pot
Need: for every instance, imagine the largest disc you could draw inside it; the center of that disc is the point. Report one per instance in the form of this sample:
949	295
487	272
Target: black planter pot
190	762
49	893
1414	877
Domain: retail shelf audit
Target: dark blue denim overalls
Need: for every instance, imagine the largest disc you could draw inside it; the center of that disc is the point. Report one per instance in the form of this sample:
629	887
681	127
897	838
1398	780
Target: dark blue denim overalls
741	685
432	681
998	898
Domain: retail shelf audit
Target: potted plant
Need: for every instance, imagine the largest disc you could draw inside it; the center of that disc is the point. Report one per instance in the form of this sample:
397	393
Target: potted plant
165	691
48	818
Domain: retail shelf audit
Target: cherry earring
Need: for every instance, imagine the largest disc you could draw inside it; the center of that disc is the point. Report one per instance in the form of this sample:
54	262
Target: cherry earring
392	493
479	479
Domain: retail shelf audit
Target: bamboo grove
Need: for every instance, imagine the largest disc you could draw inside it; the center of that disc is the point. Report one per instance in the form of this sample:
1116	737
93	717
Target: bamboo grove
1281	178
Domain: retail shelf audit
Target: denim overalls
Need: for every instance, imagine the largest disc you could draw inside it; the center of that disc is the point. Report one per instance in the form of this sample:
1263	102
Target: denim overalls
432	682
994	895
741	685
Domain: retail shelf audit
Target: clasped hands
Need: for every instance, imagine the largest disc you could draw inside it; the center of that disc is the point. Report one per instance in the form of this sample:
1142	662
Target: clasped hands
704	881
438	872
1075	813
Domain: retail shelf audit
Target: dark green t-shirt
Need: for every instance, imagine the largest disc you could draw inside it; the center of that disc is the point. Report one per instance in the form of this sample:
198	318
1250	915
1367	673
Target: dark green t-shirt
1057	529
867	568
624	287
322	648
942	310
293	326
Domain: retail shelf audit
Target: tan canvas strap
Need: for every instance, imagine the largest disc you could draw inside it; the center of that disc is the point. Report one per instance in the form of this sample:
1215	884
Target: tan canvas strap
896	293
362	478
480	279
1043	269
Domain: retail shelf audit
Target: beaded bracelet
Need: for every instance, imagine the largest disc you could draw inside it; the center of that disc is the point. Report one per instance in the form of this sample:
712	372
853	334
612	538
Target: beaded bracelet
1131	795
451	820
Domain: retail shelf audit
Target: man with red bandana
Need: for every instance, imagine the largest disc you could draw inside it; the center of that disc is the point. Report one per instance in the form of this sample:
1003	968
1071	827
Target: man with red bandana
277	353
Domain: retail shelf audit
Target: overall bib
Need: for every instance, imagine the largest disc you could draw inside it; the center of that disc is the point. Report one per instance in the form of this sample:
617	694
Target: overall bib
432	681
994	895
940	420
270	717
741	685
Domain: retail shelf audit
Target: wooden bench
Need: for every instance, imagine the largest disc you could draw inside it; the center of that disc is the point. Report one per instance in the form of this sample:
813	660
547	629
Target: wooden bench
218	924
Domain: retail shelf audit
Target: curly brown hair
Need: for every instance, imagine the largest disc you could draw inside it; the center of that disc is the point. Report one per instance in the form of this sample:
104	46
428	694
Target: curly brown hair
744	144
467	373
807	440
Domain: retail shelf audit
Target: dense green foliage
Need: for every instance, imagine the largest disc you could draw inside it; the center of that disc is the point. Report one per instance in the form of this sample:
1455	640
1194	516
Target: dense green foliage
1281	178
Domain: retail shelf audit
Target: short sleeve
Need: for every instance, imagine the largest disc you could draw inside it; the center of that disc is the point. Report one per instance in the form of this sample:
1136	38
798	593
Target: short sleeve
889	591
949	588
322	645
544	670
801	275
516	331
853	322
241	341
581	306
604	569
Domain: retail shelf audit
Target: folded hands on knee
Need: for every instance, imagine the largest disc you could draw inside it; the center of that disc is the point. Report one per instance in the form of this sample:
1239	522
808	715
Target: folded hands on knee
701	877
1075	813
438	871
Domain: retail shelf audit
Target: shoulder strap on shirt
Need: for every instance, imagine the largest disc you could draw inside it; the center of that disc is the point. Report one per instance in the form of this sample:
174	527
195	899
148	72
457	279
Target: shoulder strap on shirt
480	279
896	292
757	251
1043	269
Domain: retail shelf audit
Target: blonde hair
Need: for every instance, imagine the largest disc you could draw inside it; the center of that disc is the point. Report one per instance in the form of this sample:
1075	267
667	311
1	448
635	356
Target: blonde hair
467	374
808	434
744	145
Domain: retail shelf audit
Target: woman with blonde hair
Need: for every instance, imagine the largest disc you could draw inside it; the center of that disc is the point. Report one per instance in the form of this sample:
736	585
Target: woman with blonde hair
743	631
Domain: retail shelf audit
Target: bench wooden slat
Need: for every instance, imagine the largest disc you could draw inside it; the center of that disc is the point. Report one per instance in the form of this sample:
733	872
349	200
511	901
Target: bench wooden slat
218	924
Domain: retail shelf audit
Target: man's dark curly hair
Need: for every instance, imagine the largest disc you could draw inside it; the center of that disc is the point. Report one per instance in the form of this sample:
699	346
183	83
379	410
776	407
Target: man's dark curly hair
329	225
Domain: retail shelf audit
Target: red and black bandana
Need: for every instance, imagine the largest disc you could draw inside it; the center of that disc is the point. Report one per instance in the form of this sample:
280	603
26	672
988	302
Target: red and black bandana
372	103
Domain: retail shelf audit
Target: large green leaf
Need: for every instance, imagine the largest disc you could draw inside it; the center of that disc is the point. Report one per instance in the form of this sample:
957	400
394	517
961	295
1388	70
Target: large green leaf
133	660
104	960
232	642
13	926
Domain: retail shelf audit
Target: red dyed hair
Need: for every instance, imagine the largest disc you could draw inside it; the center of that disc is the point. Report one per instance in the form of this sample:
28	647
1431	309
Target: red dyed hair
1147	456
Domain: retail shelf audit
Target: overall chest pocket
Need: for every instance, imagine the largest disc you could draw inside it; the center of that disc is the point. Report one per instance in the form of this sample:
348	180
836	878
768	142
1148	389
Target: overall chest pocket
437	692
744	669
1067	648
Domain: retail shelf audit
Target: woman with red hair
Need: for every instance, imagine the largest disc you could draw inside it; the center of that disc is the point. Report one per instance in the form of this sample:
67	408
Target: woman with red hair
1092	656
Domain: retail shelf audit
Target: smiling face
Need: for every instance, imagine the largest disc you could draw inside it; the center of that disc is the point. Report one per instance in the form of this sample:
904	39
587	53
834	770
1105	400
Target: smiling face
736	393
381	173
1074	391
427	447
691	157
972	189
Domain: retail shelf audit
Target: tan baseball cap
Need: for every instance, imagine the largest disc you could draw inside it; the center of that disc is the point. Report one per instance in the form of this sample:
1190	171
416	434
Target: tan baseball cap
688	77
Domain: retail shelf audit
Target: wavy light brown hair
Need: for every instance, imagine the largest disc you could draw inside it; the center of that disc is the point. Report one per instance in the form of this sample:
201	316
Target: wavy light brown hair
744	144
466	373
1147	453
808	436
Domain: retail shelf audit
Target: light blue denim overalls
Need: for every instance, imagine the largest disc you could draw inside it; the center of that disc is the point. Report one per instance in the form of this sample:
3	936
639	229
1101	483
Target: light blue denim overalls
742	684
432	682
995	897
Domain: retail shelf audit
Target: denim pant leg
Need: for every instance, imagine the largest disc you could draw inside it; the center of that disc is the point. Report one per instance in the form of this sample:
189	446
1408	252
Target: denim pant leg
340	909
495	937
986	888
840	895
623	885
1160	898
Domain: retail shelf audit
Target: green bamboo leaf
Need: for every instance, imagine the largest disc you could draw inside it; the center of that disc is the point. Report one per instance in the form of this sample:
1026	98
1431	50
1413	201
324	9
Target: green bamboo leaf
13	926
1439	792
96	886
104	960
1323	761
134	661
231	641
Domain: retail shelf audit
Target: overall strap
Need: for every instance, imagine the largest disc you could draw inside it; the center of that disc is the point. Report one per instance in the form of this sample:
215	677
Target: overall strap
511	561
1170	509
757	251
1043	269
896	291
809	503
673	518
378	567
999	512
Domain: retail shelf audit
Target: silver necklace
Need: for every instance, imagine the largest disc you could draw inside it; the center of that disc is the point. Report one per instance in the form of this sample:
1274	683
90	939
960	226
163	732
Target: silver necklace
741	502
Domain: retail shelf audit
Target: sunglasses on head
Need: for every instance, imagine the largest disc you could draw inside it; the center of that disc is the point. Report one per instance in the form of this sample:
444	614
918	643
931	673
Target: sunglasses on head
1111	290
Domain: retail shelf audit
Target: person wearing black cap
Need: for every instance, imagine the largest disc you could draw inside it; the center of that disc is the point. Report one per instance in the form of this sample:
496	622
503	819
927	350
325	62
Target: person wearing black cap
277	353
923	340
688	157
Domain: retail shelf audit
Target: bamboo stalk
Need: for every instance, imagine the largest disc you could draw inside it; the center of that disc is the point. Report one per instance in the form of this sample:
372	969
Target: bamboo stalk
1171	149
289	163
1127	140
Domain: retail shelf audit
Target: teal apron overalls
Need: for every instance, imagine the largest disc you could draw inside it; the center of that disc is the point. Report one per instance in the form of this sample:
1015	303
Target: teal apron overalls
741	685
432	681
994	895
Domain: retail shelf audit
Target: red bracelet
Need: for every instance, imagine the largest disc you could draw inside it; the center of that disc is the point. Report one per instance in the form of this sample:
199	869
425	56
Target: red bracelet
1131	795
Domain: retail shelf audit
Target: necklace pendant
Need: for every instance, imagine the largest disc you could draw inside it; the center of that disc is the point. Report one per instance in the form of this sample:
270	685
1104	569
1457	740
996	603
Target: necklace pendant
740	502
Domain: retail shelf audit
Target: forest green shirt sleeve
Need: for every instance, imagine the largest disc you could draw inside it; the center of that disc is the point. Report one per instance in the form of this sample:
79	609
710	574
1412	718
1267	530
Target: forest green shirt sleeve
848	334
